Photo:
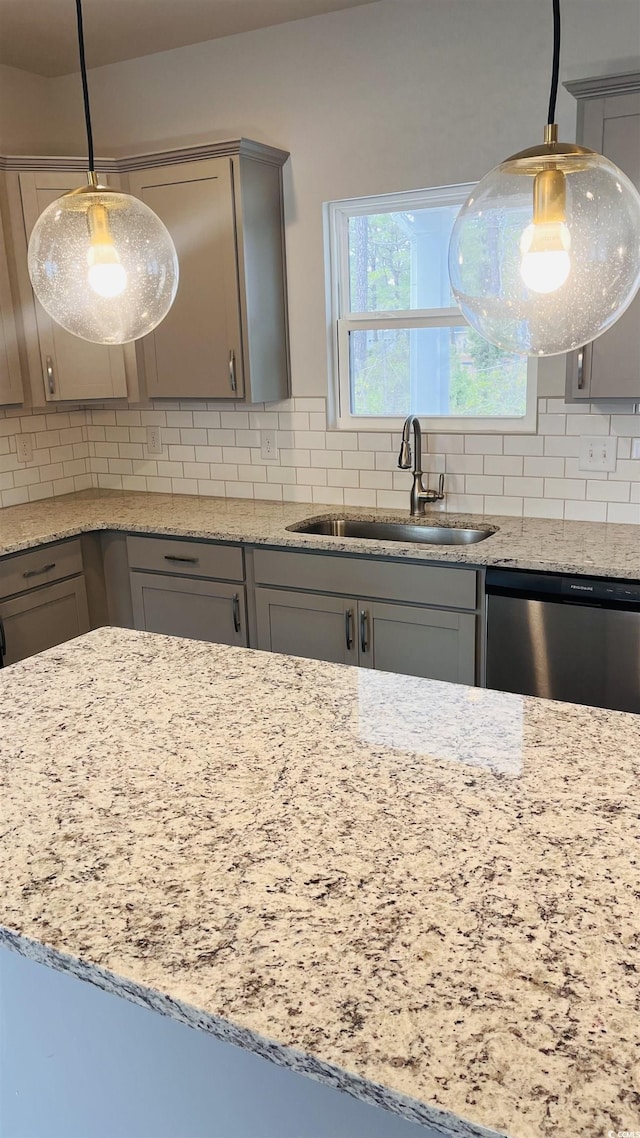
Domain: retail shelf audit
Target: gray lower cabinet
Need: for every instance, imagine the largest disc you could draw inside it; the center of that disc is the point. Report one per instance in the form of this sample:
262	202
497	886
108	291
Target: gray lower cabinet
41	618
307	624
408	639
185	606
415	641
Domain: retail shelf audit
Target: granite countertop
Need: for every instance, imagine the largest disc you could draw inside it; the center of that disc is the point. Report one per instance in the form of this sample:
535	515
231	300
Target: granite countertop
422	893
595	548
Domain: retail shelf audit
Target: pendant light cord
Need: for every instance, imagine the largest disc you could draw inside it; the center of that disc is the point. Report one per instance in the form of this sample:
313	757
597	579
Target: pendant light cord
85	85
555	70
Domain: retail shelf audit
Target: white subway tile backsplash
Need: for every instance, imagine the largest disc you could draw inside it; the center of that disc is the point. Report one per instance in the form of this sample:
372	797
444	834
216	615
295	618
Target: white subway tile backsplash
524	444
503	504
629	514
625	425
483	444
608	491
469	463
553	425
594	425
564	488
543	508
360	498
330	494
510	464
525	487
544	467
214	449
585	511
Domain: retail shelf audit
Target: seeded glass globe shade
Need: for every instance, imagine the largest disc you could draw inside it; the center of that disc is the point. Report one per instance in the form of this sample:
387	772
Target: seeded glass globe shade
545	253
103	265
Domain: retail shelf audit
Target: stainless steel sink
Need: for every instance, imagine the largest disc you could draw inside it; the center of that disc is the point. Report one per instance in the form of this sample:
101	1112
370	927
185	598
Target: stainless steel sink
426	534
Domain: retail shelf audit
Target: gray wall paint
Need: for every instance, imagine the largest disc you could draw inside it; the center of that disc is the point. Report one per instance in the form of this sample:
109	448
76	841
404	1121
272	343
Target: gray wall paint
77	1062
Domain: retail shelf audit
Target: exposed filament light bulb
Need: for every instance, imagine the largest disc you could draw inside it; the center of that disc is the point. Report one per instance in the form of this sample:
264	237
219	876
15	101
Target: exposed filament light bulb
107	276
545	244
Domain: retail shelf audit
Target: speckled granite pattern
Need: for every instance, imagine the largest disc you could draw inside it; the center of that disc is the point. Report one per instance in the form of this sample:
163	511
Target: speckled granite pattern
597	548
425	894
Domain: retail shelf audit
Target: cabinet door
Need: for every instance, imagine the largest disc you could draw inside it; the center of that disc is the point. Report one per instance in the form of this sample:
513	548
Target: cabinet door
196	352
306	624
10	374
41	618
71	368
182	606
609	367
413	641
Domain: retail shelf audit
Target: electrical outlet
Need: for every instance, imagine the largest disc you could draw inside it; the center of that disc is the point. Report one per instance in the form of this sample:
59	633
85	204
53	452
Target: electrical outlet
597	453
154	440
269	446
24	447
635	448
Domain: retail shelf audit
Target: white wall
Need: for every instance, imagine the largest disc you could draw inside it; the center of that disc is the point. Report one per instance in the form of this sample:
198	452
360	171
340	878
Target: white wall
33	111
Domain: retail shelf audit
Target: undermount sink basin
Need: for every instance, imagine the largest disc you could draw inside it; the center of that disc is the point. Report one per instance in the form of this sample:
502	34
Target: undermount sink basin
425	533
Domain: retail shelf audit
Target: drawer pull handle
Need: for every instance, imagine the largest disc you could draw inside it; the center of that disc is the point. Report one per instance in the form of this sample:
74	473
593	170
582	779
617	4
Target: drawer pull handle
184	560
348	628
39	572
3	644
236	612
232	370
364	630
51	379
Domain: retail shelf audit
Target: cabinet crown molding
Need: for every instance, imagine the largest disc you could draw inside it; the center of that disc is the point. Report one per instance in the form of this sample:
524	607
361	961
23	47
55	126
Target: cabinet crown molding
604	85
240	147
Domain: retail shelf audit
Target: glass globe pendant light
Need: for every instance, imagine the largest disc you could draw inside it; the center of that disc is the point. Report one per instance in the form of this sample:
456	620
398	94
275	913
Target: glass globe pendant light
102	264
545	252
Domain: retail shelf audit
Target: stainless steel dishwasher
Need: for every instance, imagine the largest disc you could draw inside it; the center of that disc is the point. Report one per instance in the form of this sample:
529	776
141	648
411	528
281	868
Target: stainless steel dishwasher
570	638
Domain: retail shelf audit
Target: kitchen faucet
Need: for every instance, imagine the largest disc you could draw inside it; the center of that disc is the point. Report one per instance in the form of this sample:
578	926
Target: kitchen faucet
420	494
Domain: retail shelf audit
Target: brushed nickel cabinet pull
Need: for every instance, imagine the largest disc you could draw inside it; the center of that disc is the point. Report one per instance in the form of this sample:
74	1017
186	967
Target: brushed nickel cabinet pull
236	613
39	572
348	628
232	370
580	359
184	560
364	630
51	379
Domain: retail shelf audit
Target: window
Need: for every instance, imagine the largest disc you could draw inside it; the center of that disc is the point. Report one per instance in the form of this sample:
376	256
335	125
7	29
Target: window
400	344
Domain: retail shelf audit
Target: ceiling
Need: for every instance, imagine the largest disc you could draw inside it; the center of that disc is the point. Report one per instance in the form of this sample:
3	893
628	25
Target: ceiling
40	35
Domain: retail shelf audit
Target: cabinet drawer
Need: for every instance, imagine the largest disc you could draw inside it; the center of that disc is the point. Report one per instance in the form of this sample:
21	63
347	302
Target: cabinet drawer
188	558
41	566
422	584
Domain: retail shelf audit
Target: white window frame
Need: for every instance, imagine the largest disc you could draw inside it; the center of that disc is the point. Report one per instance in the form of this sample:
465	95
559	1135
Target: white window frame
341	322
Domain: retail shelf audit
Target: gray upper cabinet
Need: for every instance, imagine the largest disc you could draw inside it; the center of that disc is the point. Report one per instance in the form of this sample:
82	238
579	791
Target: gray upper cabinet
226	336
66	367
10	373
609	122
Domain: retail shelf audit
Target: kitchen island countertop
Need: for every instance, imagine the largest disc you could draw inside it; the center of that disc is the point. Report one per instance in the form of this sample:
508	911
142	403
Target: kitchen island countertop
540	544
424	894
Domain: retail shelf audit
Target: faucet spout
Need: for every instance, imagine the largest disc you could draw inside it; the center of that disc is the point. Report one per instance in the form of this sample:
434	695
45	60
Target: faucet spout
420	494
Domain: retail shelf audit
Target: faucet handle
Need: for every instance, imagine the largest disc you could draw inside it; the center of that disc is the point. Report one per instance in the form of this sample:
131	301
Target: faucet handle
441	487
